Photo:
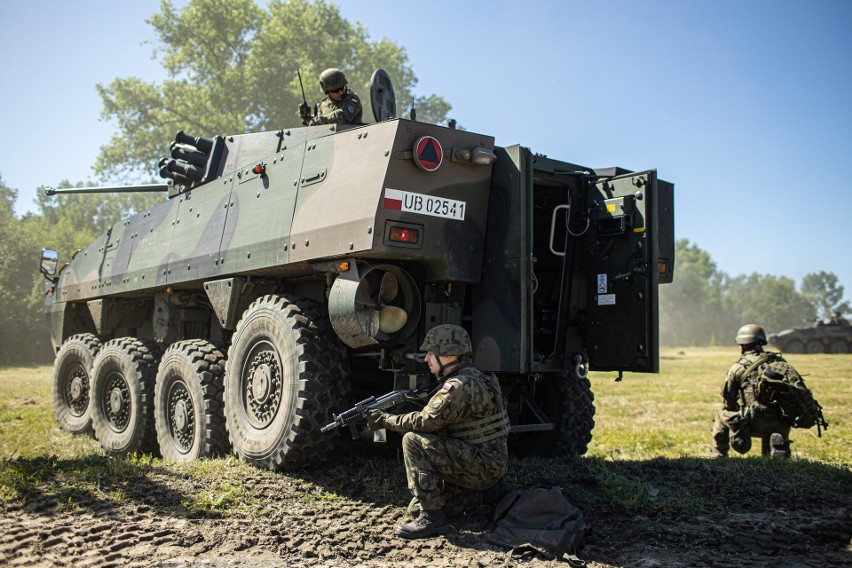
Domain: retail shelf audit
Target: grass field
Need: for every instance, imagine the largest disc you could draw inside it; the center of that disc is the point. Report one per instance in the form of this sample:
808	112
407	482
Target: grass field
670	414
647	427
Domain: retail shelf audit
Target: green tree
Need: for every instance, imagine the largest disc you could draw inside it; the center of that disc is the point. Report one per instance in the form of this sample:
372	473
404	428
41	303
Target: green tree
690	307
825	293
769	301
71	221
232	69
23	335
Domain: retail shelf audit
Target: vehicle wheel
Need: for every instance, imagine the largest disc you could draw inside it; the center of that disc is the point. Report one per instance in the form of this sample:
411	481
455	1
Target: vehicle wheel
794	347
284	377
578	420
568	401
123	396
815	346
72	373
188	411
839	346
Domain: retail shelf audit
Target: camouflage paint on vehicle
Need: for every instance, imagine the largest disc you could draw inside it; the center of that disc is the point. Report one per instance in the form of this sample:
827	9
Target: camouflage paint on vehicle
322	256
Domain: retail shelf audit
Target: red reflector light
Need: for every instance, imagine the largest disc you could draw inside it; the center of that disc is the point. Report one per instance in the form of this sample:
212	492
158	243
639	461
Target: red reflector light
259	169
662	267
404	235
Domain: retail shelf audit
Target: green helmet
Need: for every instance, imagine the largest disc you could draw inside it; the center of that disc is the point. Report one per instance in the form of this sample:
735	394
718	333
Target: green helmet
751	333
332	79
447	339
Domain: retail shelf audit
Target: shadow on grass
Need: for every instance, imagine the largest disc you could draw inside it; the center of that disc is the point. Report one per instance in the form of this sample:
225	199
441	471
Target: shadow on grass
96	483
754	506
788	507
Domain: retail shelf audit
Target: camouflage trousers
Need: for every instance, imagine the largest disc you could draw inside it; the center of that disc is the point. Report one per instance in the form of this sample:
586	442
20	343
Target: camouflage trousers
445	471
732	430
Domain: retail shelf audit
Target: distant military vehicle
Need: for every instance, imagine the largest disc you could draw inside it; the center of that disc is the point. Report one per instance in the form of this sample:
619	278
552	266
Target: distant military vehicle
832	335
293	272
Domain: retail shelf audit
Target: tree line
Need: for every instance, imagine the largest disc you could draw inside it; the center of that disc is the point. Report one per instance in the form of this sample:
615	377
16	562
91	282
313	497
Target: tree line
705	306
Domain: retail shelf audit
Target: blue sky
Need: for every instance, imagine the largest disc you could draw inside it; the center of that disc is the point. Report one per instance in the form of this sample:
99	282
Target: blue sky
745	105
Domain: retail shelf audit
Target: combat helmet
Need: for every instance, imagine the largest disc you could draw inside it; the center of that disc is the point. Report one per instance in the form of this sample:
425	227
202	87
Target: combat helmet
751	333
332	79
447	339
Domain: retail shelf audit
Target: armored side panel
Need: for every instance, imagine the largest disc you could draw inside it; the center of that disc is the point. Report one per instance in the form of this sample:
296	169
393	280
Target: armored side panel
832	336
287	199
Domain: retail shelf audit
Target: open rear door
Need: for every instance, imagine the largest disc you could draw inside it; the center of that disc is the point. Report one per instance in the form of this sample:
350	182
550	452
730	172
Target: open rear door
623	325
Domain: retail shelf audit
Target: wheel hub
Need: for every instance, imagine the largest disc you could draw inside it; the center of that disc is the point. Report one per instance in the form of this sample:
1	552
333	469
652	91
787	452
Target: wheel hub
117	402
263	386
260	383
77	390
181	417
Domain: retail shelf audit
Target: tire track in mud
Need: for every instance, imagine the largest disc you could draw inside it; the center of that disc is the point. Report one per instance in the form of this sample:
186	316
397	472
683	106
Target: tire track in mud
323	518
57	536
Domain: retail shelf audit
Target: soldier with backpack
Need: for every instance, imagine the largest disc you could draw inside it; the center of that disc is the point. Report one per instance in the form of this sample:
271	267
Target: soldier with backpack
763	397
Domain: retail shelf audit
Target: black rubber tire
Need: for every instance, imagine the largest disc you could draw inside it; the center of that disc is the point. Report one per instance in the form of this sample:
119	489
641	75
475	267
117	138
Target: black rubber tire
285	375
567	400
839	346
814	346
795	346
578	419
189	414
71	385
123	396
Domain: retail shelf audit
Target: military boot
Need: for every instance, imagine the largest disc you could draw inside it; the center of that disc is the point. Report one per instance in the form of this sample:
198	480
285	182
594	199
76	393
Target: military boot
777	447
428	524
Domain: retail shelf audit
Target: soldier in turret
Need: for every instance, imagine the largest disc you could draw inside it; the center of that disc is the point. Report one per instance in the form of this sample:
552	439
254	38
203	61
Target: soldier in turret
340	104
457	445
741	416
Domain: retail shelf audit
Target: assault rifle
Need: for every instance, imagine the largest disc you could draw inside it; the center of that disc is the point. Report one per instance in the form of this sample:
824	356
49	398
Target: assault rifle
359	411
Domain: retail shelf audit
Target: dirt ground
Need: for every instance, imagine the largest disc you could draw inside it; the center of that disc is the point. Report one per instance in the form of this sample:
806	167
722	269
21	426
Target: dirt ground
321	518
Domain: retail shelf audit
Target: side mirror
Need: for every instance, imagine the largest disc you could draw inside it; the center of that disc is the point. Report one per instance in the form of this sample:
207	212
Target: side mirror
49	259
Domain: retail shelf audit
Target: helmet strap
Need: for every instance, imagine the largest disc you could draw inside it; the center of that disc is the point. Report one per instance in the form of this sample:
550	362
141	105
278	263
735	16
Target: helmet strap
442	369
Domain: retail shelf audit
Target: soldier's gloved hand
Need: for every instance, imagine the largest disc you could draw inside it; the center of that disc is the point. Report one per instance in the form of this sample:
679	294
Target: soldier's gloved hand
376	419
305	111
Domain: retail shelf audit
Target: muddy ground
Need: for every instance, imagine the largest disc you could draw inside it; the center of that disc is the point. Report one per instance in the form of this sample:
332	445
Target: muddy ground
344	516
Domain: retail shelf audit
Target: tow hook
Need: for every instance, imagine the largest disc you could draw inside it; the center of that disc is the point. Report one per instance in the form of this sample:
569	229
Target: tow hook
580	368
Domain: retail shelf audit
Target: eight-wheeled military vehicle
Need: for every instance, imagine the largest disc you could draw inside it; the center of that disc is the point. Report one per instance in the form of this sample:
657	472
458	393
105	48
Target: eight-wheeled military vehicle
831	335
292	272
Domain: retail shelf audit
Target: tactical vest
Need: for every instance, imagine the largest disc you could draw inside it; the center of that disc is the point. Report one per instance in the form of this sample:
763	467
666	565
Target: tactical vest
492	427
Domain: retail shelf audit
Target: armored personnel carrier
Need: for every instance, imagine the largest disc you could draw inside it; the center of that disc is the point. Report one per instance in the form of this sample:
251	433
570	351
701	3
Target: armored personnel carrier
292	272
832	335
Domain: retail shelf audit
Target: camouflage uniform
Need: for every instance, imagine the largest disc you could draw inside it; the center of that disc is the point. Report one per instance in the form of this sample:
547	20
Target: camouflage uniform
458	441
347	111
741	417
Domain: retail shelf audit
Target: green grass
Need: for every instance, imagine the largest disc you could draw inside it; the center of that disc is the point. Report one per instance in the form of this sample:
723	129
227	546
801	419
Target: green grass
650	453
671	414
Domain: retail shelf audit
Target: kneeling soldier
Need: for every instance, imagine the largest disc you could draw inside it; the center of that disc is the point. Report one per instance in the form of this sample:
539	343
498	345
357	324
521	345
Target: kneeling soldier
457	443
